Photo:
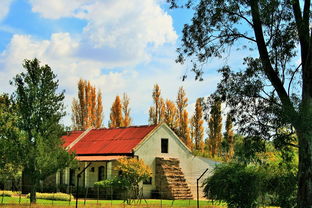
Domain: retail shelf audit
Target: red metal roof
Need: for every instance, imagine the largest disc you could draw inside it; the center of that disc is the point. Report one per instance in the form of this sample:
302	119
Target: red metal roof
71	137
109	141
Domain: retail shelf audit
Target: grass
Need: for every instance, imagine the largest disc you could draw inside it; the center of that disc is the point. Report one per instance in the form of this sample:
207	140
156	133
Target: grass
22	201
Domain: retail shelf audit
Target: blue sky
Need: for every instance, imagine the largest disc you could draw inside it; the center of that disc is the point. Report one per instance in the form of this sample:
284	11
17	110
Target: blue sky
120	46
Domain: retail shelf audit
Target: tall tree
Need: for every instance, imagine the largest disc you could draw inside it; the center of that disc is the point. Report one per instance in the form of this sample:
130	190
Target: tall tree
40	109
215	129
156	112
126	120
280	32
171	114
229	137
197	126
87	111
99	110
185	130
116	114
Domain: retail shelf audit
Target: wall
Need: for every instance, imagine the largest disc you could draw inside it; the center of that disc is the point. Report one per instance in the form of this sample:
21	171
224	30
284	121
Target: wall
191	166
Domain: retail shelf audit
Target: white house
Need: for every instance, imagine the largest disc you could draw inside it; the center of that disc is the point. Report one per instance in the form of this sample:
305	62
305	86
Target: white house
174	168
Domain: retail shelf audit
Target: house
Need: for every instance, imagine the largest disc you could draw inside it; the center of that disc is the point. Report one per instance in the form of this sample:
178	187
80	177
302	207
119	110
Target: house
174	167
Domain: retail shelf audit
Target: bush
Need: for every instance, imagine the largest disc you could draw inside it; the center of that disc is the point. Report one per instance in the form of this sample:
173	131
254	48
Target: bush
8	193
238	185
53	196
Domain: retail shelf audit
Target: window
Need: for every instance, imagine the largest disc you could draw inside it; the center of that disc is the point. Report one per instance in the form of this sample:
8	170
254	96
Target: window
101	173
72	177
148	181
164	145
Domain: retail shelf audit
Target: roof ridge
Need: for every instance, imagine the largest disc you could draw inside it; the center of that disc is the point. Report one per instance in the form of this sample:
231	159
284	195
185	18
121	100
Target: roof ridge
125	127
78	138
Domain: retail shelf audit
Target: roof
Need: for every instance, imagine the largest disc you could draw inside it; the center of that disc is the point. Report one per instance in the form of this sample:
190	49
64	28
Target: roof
107	141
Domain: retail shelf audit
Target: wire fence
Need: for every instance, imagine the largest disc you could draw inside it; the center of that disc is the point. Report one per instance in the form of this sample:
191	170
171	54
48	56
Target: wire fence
95	196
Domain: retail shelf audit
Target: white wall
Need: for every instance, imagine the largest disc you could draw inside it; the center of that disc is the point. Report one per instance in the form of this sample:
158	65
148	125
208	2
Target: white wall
191	166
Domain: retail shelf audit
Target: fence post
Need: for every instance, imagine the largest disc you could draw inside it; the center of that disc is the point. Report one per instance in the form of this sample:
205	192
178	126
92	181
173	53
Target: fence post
197	180
86	195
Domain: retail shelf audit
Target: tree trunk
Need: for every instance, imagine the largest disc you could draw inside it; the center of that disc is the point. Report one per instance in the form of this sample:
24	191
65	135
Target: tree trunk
305	157
33	193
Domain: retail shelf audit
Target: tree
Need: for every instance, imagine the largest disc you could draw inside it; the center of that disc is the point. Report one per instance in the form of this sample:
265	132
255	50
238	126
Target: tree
181	102
229	137
170	114
87	111
39	109
156	112
272	84
126	121
215	129
116	114
133	171
10	158
197	126
185	130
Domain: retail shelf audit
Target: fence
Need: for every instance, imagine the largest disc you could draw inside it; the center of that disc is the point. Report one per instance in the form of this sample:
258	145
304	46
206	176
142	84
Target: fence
95	196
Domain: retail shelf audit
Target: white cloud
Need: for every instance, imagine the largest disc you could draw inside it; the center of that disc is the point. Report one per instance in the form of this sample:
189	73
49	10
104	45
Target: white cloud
118	32
4	8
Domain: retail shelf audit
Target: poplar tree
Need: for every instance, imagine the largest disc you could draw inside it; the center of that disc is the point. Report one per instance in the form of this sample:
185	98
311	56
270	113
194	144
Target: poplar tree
229	137
186	131
156	112
171	115
87	111
197	126
183	121
116	114
215	129
126	120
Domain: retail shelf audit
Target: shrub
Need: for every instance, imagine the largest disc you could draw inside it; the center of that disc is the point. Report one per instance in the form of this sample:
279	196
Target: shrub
53	196
6	193
238	185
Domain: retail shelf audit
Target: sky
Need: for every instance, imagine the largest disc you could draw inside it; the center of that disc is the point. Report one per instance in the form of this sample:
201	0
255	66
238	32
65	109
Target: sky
118	45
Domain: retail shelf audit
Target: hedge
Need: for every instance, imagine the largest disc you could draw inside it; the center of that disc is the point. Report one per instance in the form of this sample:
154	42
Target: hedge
53	196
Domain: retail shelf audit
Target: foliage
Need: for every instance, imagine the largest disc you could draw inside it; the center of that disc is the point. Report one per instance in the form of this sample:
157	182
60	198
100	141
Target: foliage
215	129
197	126
133	171
9	134
156	112
170	115
126	120
116	114
236	184
39	108
229	138
275	88
54	196
8	193
87	110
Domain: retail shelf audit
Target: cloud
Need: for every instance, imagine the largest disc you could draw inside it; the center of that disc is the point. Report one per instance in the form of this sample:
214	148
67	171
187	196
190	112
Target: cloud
4	8
136	81
117	32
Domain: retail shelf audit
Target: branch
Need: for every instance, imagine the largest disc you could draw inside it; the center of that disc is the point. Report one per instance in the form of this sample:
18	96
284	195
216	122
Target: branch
265	59
292	78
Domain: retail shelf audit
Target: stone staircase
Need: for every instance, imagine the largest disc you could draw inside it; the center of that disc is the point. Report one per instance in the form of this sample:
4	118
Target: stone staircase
170	180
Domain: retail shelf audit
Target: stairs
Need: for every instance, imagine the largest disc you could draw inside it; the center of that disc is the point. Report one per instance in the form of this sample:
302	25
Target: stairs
170	181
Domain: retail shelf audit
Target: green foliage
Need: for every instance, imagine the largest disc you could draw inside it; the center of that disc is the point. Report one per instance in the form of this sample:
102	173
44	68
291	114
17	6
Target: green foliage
39	108
8	193
236	184
133	171
53	196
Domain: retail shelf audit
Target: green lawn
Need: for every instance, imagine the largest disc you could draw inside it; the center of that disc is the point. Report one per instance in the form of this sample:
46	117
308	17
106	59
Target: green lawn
178	203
